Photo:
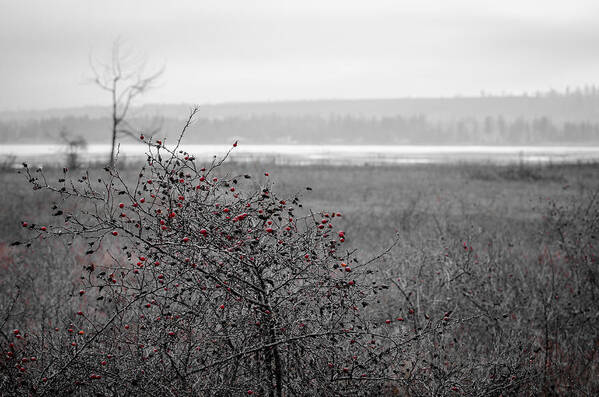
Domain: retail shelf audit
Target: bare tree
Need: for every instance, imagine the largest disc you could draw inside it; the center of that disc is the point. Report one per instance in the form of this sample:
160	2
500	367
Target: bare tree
125	78
73	146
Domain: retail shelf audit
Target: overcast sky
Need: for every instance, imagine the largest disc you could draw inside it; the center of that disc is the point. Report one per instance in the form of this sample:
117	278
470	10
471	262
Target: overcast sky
242	50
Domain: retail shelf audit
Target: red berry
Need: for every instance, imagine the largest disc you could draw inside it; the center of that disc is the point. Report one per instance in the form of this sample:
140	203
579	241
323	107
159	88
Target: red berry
115	233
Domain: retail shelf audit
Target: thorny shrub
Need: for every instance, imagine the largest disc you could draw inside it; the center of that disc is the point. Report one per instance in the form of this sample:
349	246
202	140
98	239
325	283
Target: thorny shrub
207	287
569	291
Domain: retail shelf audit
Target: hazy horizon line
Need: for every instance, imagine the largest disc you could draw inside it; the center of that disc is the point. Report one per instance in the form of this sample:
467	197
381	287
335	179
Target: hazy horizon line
482	95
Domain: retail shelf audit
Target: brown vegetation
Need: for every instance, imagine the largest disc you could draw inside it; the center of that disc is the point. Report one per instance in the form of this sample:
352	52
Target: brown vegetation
491	288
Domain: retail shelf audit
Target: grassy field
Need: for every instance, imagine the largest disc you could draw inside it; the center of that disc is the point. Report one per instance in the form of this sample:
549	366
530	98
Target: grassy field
513	246
421	202
425	203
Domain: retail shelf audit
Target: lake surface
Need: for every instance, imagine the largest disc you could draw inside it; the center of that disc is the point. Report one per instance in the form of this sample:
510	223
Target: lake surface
324	154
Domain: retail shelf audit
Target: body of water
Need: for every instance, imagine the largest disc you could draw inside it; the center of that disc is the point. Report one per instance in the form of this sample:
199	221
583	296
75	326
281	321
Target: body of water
322	154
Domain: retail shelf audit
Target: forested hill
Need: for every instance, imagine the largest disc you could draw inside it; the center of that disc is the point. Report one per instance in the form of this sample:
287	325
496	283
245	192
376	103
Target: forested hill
551	118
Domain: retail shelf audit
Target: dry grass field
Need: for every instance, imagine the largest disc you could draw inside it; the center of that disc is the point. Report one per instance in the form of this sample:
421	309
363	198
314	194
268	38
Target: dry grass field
510	252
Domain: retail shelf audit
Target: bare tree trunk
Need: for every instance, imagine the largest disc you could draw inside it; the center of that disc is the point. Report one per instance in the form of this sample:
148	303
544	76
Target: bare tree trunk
115	122
278	372
272	355
112	148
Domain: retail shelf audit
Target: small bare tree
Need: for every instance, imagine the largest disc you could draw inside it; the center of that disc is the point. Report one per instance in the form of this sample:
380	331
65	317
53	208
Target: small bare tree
125	78
73	147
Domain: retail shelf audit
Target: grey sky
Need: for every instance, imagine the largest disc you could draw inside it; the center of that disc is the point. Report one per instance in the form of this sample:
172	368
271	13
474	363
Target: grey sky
240	50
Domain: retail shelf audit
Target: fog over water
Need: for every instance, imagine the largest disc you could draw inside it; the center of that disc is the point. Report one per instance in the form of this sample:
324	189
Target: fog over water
324	154
513	80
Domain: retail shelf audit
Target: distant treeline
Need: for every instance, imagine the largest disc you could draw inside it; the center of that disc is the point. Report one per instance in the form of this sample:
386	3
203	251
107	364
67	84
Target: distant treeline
494	130
570	117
